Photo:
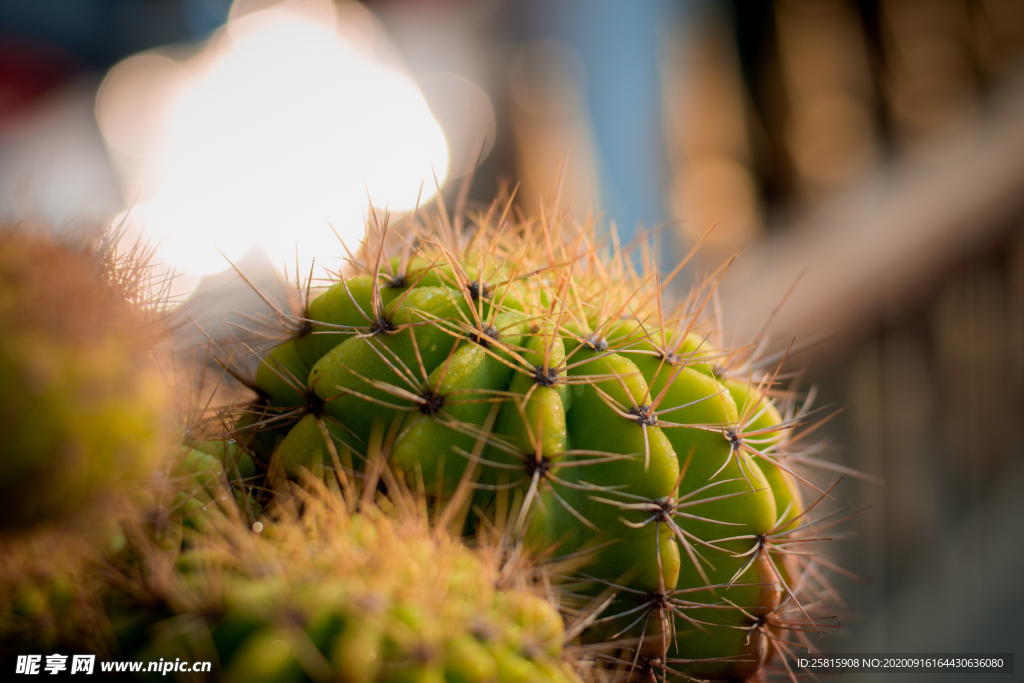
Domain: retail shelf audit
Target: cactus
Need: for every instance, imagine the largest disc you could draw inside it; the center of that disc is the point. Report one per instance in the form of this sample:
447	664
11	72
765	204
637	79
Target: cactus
51	582
83	407
84	411
314	589
331	586
495	421
536	379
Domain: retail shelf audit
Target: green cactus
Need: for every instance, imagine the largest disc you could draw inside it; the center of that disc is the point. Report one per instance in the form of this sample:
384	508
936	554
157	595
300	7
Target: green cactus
327	588
83	407
85	412
51	585
535	378
446	447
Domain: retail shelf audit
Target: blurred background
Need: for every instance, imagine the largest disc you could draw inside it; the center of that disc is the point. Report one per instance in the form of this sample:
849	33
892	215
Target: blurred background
870	151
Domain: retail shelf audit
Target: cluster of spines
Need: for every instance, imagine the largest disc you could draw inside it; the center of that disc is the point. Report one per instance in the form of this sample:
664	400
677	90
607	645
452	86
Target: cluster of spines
336	581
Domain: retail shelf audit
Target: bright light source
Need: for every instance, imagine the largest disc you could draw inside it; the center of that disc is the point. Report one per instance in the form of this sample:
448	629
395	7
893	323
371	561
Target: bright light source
281	131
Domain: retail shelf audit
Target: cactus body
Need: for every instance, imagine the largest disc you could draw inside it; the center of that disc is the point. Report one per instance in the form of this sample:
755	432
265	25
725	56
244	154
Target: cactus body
82	406
589	423
515	385
331	593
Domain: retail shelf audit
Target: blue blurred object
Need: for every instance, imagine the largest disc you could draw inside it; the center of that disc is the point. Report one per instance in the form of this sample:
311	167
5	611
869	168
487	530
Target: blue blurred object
620	42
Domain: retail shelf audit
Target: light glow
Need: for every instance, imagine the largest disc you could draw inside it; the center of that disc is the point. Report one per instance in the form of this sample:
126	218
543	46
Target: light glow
283	131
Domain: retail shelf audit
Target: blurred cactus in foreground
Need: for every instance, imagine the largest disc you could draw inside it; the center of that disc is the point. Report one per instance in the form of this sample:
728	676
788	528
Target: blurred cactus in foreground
82	405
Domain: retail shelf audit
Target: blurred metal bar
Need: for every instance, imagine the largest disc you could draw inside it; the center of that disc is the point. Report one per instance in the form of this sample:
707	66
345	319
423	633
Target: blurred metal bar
879	248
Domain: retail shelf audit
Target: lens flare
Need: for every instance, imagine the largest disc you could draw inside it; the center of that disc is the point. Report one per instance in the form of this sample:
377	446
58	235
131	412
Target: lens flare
283	134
